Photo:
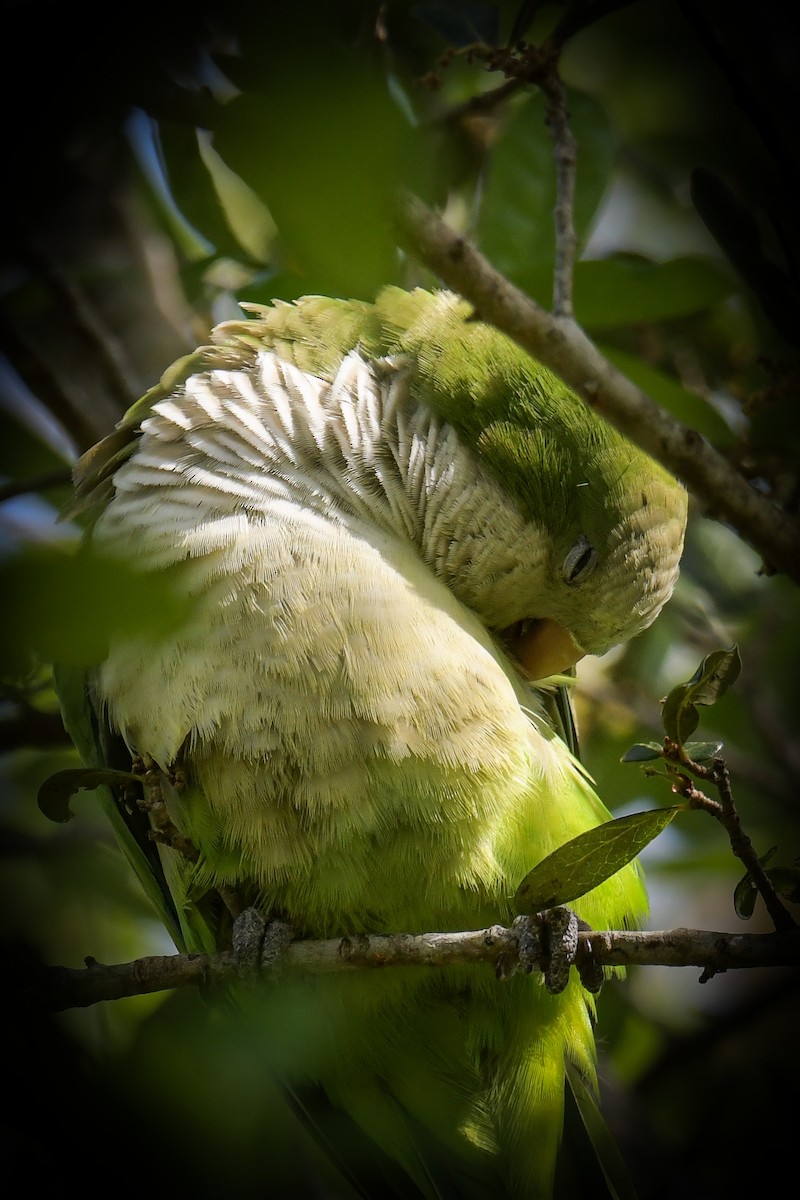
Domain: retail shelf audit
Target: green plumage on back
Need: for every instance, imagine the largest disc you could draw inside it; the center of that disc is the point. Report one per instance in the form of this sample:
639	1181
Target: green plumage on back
391	523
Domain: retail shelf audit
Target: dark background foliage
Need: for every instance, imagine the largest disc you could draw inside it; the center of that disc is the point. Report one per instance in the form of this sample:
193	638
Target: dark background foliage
126	234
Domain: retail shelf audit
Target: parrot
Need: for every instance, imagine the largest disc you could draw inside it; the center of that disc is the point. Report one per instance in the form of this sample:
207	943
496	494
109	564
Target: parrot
394	530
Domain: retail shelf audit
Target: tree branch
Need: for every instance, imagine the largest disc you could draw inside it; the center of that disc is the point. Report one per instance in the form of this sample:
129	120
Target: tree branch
561	344
54	989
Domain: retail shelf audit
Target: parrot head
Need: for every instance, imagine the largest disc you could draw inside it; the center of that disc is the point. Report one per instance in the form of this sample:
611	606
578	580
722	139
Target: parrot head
598	553
614	536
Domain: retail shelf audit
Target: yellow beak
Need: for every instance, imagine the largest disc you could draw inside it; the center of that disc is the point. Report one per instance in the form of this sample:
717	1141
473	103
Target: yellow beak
547	648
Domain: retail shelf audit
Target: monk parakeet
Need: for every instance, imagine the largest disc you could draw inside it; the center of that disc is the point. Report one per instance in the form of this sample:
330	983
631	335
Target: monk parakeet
392	523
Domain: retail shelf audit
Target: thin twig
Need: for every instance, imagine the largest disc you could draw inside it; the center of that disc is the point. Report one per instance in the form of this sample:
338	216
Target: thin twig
537	66
566	153
724	810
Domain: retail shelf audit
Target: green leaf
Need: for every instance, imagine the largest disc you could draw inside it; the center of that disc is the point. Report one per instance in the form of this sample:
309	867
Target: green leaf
643	752
56	791
245	215
622	291
702	751
785	881
711	680
680	716
515	225
715	675
648	751
588	860
745	895
686	406
324	147
64	606
192	189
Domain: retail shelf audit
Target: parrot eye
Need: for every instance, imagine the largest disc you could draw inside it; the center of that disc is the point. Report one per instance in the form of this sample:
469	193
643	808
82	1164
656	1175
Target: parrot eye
580	560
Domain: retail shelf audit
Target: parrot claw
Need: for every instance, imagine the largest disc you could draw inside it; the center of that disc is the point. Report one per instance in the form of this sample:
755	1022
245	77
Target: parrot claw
547	942
590	970
529	949
559	928
560	936
257	943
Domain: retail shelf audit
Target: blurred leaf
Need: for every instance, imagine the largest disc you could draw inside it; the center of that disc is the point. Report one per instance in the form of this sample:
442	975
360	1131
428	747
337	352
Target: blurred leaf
687	407
515	226
324	147
732	225
745	893
786	881
64	607
524	18
737	232
621	291
643	752
716	673
588	860
702	751
193	187
23	453
246	216
57	790
648	751
465	25
744	898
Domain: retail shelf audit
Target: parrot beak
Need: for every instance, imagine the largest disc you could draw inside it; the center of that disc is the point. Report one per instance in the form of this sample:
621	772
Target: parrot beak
543	647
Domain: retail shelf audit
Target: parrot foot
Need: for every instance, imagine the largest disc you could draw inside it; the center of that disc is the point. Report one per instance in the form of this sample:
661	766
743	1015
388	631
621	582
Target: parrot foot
259	944
529	949
560	937
548	942
590	970
561	927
